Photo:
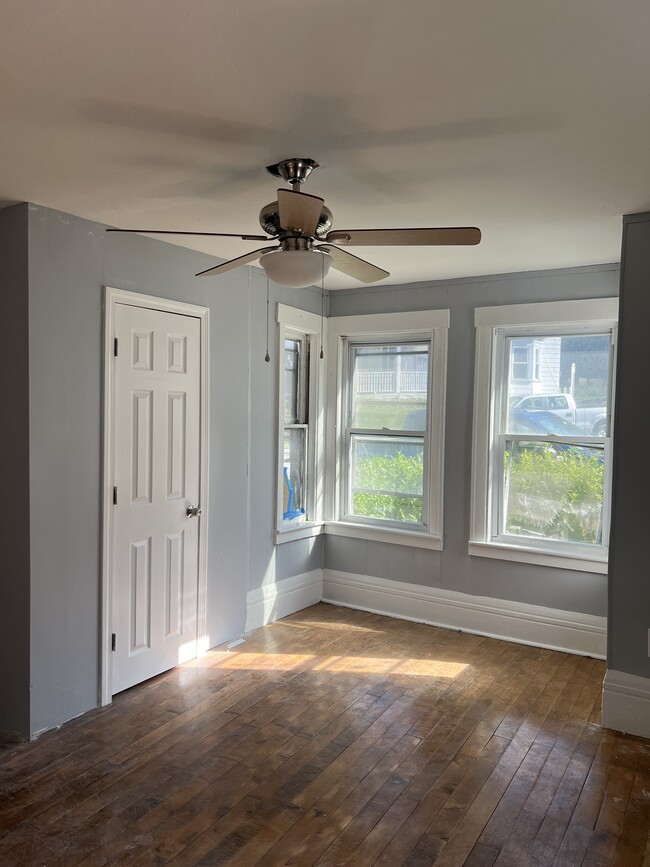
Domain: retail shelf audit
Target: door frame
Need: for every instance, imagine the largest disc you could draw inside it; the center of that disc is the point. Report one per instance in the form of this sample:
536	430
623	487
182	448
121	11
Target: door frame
112	298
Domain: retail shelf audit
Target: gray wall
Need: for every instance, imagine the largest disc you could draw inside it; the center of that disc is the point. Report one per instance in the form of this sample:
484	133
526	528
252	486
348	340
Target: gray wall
70	260
14	505
268	563
453	568
629	587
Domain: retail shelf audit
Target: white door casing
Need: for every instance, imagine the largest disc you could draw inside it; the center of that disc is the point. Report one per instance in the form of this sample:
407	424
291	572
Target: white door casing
154	563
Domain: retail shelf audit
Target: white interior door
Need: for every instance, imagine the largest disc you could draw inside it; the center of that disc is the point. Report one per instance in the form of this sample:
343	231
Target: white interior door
157	469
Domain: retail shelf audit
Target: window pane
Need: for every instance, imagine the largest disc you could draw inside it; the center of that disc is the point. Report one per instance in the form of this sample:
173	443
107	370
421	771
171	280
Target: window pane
386	477
389	385
295	462
568	379
553	491
291	377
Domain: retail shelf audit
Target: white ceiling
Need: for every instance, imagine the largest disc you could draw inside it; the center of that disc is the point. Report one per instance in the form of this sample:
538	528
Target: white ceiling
528	119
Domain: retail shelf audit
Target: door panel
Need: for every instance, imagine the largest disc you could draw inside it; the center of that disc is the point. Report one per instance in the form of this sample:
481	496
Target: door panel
142	446
140	602
174	585
176	426
157	454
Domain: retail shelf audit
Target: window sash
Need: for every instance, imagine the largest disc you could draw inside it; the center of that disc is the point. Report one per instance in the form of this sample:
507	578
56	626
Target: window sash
501	373
290	380
353	489
347	458
305	477
300	411
501	511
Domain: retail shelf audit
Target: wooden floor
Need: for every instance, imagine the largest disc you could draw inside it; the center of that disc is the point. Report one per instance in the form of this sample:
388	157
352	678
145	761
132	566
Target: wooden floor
339	737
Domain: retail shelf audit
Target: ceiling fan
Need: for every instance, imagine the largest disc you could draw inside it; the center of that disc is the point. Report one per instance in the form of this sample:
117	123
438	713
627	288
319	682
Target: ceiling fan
308	246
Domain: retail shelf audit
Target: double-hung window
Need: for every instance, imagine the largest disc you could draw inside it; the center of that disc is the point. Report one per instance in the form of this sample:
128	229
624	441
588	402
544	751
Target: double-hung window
299	495
387	414
386	436
542	446
295	427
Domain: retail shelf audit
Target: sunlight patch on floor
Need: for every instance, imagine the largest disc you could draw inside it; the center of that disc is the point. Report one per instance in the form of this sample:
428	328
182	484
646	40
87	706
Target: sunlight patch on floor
343	664
310	625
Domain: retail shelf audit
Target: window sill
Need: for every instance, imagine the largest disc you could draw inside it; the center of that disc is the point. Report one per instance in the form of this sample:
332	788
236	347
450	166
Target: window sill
523	554
304	531
411	538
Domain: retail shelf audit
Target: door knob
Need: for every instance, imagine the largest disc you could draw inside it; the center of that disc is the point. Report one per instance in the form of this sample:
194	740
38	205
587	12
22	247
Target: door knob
193	511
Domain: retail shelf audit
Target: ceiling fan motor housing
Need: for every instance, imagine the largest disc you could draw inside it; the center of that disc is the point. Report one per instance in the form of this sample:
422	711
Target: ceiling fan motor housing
270	221
295	170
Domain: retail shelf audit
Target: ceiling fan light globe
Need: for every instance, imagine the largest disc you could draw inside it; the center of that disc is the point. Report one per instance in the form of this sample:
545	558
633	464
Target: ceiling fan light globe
296	268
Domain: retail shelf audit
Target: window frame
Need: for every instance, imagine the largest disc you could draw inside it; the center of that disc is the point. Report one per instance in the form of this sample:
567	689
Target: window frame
494	325
346	331
294	323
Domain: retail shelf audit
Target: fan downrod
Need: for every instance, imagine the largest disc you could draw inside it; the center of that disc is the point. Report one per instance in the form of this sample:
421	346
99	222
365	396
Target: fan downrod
294	171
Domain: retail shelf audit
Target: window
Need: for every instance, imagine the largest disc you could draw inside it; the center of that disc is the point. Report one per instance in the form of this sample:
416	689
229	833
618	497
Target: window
387	404
296	428
300	436
386	431
541	464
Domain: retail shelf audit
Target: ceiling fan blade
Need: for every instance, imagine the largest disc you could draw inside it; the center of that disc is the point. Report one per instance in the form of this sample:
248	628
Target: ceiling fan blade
405	237
352	265
235	263
203	234
299	211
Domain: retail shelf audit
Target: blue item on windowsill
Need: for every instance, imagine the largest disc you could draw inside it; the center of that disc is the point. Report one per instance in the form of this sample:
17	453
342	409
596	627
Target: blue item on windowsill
291	513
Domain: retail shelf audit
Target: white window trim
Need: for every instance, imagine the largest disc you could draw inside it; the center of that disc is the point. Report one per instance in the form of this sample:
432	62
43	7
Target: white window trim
394	535
432	325
582	315
295	322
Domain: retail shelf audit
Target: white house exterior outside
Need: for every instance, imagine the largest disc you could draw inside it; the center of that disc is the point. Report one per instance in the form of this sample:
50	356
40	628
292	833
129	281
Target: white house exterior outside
534	365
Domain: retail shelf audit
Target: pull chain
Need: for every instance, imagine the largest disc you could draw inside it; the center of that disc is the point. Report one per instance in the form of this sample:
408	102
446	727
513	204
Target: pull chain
267	356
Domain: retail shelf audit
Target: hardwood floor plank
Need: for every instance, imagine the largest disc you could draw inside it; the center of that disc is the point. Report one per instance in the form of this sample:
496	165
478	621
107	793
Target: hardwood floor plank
333	812
315	823
507	811
338	737
481	856
527	827
631	845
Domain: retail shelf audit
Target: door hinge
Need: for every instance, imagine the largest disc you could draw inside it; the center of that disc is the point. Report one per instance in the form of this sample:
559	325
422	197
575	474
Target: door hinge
115	496
115	347
113	642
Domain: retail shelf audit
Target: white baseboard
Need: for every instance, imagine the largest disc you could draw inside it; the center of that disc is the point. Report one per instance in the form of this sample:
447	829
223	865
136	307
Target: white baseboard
626	703
285	597
551	628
